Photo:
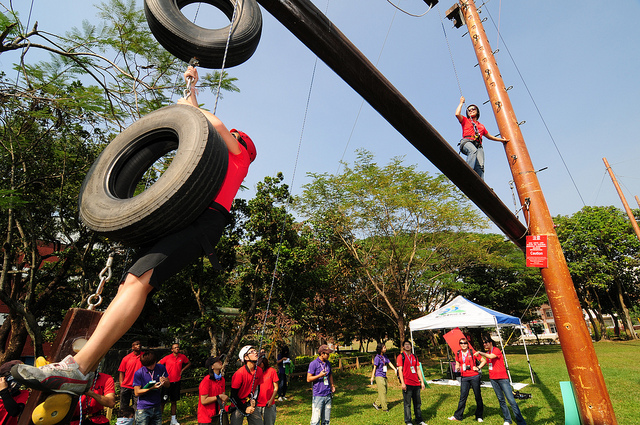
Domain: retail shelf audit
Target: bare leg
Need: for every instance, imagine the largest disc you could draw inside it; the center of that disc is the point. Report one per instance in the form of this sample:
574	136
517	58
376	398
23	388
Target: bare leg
116	320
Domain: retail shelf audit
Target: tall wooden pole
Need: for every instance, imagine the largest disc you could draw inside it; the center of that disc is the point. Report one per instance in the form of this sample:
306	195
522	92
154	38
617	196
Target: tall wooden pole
593	399
638	201
625	204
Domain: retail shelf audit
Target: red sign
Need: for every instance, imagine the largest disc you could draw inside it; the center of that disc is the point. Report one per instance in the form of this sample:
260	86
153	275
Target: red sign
537	251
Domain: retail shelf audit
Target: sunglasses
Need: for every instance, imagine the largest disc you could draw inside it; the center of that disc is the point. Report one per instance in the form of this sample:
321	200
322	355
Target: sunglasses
463	343
240	140
472	109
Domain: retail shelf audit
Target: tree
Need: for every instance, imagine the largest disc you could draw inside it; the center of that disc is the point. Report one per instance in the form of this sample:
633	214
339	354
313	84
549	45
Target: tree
602	253
400	226
55	118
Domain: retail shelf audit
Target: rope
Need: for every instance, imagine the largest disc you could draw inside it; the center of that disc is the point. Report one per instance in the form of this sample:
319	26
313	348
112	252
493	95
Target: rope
455	72
538	110
410	14
362	102
224	58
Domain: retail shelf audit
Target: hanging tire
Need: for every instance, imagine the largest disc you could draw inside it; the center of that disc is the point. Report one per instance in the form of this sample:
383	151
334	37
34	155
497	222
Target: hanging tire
186	40
108	203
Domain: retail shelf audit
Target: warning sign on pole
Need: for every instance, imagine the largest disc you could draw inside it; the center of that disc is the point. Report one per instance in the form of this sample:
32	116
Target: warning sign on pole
537	251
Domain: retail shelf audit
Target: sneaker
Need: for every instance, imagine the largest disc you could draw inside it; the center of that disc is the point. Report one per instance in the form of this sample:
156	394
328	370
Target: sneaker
280	399
63	377
480	420
506	423
452	418
284	398
423	423
376	406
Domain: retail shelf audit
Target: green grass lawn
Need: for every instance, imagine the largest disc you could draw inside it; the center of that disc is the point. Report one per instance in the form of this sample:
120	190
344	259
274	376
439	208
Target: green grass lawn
352	403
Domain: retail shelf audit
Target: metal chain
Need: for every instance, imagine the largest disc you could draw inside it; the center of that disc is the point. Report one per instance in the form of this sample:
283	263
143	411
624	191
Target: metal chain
103	279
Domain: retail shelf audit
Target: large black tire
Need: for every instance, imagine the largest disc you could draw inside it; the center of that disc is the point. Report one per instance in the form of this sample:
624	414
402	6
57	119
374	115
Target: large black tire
186	40
107	202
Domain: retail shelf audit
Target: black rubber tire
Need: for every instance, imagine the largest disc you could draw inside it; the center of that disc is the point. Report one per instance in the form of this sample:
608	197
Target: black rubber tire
107	203
186	40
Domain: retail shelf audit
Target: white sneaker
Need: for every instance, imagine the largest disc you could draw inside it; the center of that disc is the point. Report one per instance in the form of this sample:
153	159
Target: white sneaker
280	399
423	423
506	423
62	377
480	420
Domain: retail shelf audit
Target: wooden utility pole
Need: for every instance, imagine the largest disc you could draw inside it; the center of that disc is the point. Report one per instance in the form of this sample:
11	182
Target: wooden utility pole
580	357
625	204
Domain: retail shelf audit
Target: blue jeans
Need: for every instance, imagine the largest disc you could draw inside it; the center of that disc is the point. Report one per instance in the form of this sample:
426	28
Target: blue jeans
320	410
150	416
465	385
412	393
502	388
475	157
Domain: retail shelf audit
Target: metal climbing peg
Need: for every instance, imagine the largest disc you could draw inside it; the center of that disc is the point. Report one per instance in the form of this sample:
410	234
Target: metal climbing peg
103	279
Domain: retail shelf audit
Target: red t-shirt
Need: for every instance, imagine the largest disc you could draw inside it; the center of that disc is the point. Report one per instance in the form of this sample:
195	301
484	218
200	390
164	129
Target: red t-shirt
104	385
244	381
212	388
410	369
497	370
468	361
266	387
5	419
129	364
236	172
174	365
468	131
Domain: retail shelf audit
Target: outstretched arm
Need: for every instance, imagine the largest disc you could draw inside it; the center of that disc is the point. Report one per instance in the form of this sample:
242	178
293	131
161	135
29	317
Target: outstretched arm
495	139
459	109
232	144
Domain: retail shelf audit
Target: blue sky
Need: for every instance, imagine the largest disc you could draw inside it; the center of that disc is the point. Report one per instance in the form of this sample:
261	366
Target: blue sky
579	63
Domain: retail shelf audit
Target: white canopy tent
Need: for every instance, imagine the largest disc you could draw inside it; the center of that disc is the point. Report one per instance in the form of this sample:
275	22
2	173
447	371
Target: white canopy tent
462	313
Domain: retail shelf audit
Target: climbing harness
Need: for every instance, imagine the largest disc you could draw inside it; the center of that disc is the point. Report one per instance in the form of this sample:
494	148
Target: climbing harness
103	279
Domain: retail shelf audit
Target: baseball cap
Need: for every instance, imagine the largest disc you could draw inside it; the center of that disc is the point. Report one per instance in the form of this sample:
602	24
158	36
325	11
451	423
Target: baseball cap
324	348
248	143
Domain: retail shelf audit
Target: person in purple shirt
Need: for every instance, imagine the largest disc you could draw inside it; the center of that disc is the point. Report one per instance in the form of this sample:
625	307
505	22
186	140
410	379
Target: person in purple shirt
379	373
319	374
147	384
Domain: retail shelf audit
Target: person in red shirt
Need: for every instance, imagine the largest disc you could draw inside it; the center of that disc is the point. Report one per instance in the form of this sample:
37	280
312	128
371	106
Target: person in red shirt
245	388
470	373
13	398
268	392
176	363
164	259
500	382
128	366
101	394
212	398
472	132
412	382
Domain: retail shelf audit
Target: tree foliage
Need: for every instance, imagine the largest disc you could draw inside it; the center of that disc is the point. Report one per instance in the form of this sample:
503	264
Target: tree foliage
401	230
602	253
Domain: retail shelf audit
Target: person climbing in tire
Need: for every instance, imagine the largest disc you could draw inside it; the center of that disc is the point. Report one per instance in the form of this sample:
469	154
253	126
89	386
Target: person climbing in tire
165	258
472	132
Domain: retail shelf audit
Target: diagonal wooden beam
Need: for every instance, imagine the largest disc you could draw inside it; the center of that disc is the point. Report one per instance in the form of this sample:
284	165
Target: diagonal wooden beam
318	33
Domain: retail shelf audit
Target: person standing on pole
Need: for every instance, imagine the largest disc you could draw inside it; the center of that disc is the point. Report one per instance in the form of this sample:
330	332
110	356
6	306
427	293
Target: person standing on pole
472	132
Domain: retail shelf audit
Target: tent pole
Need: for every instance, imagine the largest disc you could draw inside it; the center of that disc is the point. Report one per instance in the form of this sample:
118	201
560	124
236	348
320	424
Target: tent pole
533	381
504	354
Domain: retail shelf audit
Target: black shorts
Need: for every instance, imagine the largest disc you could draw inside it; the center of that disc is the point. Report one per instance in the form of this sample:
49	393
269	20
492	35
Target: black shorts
172	393
173	252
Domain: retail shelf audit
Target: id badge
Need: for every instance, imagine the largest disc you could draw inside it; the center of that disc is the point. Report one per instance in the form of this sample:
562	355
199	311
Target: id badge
326	380
384	368
490	366
413	369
